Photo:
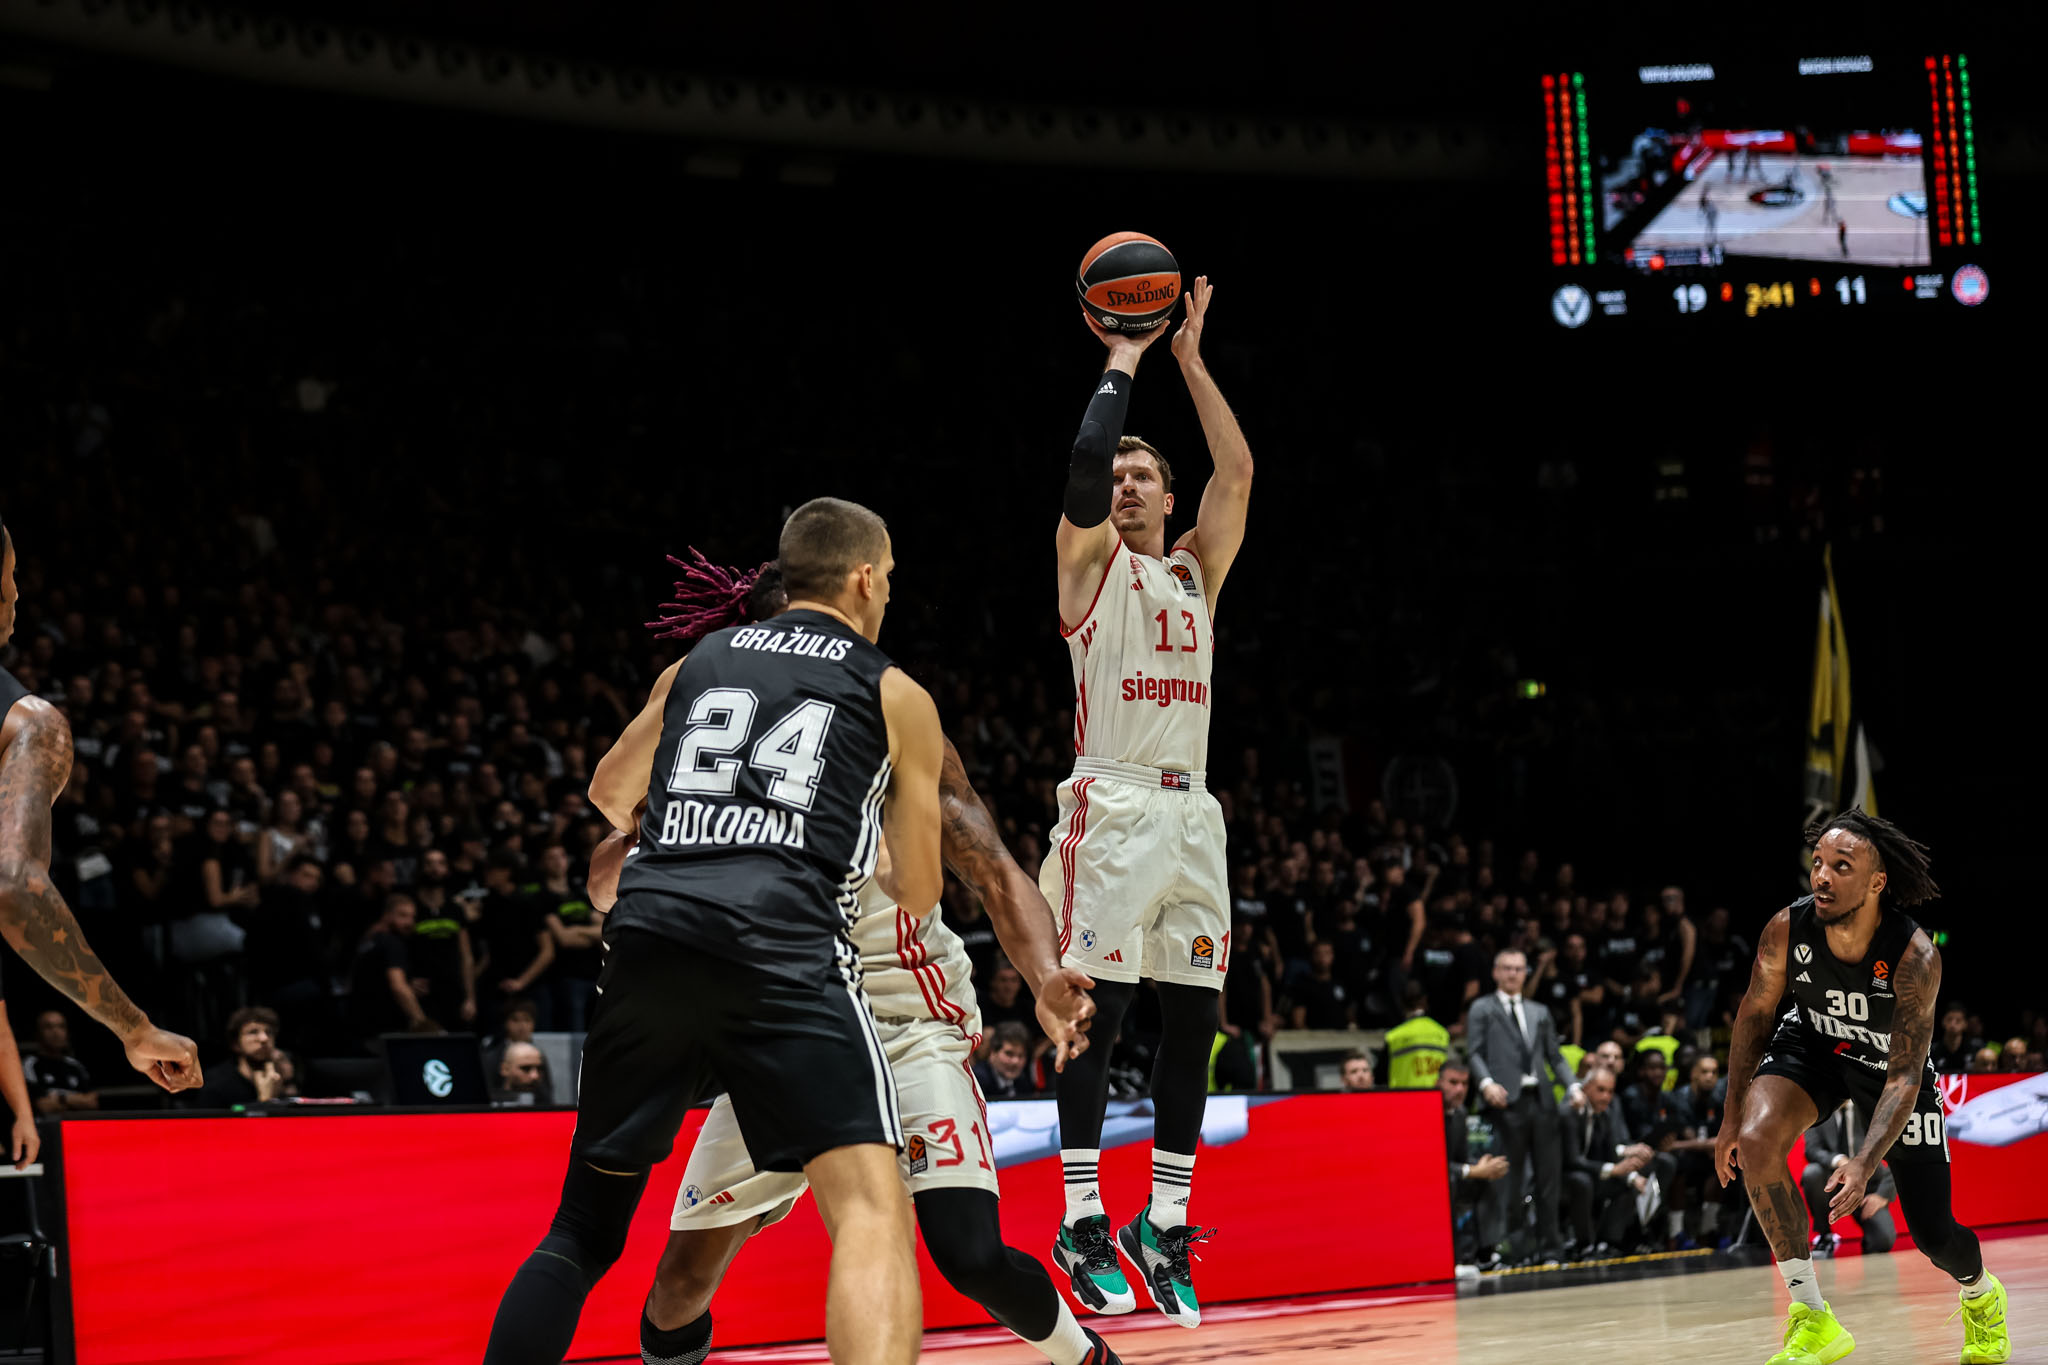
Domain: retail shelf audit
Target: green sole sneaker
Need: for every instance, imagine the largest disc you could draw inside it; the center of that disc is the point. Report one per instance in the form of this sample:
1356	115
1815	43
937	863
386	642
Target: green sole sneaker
1084	1252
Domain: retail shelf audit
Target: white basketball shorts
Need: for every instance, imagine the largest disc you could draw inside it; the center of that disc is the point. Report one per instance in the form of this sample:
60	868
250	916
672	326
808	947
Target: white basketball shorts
1137	877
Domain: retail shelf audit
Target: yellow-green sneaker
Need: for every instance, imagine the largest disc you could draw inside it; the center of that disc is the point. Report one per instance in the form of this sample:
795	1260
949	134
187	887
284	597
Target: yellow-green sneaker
1984	1338
1813	1337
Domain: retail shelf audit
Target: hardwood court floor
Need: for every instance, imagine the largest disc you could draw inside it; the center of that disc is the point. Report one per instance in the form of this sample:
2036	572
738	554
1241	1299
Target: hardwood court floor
1895	1305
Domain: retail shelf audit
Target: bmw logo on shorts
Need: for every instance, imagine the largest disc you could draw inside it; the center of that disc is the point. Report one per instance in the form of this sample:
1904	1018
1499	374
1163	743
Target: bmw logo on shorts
1087	940
692	1196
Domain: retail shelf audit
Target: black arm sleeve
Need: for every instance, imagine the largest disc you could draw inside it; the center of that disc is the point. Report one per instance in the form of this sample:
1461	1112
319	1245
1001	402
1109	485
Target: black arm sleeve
1088	471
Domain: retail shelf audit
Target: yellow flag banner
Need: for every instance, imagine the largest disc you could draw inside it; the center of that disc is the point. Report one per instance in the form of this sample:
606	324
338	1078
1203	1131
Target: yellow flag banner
1838	753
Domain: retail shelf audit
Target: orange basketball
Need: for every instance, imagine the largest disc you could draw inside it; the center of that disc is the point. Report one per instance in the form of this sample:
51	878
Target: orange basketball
1129	282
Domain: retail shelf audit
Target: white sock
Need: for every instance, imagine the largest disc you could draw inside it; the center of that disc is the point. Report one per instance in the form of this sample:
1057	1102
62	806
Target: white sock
1675	1222
1068	1344
1801	1280
1173	1184
1084	1195
1980	1288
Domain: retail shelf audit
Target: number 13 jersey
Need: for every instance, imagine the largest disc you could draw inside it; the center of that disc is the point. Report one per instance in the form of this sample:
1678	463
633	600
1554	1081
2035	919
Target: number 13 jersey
1142	659
764	806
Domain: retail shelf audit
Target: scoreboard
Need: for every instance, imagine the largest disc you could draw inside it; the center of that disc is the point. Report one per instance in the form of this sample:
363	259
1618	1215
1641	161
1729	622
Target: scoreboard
1757	191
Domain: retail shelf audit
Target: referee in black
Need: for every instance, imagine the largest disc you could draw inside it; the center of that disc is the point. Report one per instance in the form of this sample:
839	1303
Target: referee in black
772	760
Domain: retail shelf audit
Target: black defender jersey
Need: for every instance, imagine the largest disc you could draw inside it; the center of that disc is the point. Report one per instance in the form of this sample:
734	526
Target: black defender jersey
1843	1008
11	691
764	807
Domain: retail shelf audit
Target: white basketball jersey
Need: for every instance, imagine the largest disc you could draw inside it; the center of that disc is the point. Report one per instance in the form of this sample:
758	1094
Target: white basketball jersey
913	969
1142	659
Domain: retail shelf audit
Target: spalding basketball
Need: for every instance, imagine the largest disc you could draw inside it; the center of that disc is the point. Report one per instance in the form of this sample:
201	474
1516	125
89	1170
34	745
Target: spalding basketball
1129	282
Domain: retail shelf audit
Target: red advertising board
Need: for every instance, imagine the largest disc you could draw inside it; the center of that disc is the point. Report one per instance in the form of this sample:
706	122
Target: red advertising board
388	1238
1998	1145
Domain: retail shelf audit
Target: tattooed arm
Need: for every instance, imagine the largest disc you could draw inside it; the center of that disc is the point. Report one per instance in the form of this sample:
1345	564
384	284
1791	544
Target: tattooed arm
1753	1020
35	762
1918	981
973	851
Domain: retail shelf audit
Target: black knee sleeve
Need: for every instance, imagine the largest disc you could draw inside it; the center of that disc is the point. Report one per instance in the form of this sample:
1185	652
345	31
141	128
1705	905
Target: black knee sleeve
596	1212
1084	1085
1924	1198
964	1234
537	1317
1180	1073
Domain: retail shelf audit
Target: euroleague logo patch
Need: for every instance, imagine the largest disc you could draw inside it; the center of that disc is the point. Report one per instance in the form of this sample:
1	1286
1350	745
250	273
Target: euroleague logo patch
920	1161
1802	952
1187	579
1881	976
1204	953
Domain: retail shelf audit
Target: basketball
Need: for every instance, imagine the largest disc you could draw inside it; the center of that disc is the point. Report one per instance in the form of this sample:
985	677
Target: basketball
1128	282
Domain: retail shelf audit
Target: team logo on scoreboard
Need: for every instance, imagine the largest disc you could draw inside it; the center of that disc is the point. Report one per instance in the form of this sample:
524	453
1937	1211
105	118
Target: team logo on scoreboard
1909	204
1803	952
1571	306
1971	286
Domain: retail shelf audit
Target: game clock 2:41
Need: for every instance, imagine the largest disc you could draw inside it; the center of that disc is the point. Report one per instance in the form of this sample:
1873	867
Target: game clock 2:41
1777	294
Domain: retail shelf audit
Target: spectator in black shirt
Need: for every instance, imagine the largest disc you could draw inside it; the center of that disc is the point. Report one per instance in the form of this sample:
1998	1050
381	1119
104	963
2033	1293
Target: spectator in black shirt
1639	1013
1643	1102
1449	968
1697	1106
1320	1001
1720	970
255	1071
1005	1073
579	943
1007	1002
969	921
382	993
1572	991
441	951
284	951
516	949
1620	948
58	1082
1954	1046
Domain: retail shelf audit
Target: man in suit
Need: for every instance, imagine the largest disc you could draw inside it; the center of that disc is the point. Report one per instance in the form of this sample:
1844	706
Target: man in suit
1509	1041
1475	1177
1606	1171
1829	1144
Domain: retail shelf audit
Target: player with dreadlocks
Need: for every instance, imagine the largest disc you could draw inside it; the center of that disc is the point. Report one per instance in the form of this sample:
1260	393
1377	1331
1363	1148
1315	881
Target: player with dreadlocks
1862	978
917	975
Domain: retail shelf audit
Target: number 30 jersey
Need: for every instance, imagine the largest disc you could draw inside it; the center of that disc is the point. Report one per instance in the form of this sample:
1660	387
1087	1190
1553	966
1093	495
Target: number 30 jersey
764	807
1142	659
1843	1008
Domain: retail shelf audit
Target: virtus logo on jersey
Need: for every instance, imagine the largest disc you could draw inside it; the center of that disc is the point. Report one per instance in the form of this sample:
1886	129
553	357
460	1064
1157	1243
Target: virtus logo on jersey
1203	953
1802	952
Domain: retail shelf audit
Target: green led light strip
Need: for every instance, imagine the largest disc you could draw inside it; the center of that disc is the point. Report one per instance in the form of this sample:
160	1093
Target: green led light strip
1586	157
1969	148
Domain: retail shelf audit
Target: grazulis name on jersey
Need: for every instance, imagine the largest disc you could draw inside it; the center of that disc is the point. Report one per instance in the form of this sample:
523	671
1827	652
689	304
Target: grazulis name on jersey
1165	691
700	822
796	641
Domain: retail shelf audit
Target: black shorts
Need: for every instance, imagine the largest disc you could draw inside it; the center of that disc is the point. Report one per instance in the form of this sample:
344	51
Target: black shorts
673	1026
1829	1080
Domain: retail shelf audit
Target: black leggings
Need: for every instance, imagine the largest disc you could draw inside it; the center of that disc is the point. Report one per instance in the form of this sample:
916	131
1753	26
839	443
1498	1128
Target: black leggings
964	1235
1180	1073
537	1317
1924	1198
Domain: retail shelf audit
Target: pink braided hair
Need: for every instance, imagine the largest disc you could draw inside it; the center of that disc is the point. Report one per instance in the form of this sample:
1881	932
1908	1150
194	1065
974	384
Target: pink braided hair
708	597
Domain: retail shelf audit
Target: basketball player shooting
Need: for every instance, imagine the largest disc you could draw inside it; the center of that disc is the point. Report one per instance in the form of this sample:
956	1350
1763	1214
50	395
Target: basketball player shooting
1863	979
35	763
1137	872
770	761
918	980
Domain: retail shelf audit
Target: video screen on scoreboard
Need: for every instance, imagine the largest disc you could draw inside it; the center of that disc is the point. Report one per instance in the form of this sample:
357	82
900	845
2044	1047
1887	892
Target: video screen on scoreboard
1818	181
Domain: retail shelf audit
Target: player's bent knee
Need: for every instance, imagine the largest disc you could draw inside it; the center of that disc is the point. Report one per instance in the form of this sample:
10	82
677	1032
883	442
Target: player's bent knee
591	1223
